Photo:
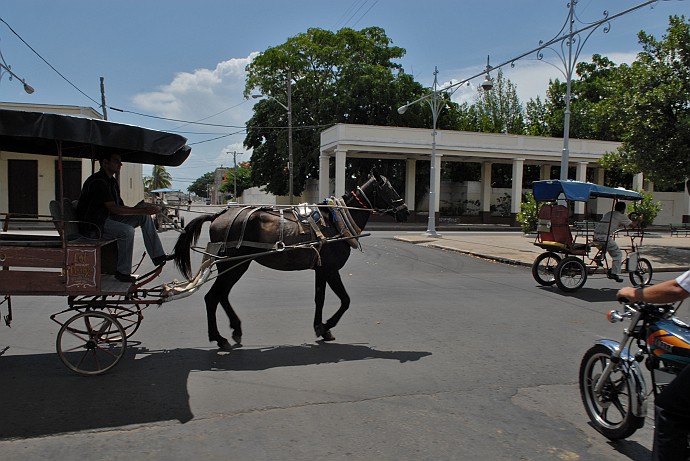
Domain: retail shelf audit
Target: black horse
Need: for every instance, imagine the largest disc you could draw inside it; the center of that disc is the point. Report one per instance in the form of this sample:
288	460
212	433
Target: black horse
280	240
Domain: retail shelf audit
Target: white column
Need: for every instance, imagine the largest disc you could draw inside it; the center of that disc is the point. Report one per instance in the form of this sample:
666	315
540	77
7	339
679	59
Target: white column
638	181
601	173
410	182
580	175
340	156
324	178
516	199
545	172
437	194
486	187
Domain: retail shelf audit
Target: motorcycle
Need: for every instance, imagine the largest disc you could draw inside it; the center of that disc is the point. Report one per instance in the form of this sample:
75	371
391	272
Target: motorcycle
612	385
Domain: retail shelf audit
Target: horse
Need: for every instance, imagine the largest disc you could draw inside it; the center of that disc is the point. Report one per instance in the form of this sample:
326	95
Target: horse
278	239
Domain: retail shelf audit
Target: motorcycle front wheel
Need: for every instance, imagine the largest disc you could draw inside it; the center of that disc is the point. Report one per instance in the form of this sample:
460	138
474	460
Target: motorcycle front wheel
610	411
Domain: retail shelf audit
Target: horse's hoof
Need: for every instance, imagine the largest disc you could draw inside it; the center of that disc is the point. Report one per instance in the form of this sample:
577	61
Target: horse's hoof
224	345
238	340
328	336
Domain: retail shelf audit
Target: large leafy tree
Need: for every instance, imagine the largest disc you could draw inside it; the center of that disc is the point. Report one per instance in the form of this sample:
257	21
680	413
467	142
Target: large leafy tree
241	182
499	110
645	105
336	77
656	104
200	185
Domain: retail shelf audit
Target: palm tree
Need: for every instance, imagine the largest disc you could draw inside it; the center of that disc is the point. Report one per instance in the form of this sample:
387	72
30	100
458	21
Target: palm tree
159	179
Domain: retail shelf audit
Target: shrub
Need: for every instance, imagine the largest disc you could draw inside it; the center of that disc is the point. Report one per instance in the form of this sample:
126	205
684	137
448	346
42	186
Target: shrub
647	208
529	214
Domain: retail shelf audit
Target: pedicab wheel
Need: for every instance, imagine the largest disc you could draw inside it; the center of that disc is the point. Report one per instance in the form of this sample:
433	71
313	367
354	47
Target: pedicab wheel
544	267
91	343
571	274
182	222
611	411
642	274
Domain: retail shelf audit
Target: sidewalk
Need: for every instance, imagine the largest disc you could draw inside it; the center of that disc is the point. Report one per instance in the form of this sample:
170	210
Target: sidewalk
665	253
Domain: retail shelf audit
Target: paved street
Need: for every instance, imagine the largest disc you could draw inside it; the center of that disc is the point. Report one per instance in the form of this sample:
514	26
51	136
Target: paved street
441	356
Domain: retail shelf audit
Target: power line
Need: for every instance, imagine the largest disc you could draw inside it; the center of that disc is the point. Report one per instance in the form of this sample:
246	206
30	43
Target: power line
49	64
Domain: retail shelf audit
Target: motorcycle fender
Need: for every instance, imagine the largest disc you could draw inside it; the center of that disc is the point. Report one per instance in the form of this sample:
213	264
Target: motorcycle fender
635	377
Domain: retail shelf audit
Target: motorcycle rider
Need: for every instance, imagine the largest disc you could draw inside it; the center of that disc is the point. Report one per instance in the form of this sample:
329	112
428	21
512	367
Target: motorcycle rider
672	406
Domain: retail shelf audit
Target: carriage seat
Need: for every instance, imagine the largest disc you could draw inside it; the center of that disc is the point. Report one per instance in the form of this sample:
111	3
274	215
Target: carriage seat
554	232
69	219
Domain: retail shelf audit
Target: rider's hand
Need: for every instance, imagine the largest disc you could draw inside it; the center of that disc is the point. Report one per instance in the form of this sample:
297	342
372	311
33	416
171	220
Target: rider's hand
628	293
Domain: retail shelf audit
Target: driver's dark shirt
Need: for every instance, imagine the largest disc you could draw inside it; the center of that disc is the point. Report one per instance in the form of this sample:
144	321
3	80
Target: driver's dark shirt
97	190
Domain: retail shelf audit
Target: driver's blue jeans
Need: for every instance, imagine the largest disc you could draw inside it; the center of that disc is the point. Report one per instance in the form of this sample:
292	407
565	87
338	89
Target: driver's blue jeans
121	228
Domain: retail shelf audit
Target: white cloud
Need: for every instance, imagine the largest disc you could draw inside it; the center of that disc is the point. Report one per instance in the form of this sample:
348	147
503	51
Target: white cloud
200	93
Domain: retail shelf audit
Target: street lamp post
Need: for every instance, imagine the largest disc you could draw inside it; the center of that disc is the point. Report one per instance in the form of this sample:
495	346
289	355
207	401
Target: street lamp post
6	69
571	39
288	108
437	104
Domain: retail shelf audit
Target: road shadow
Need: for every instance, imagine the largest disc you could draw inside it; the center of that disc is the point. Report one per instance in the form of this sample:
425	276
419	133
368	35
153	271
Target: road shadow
41	397
586	294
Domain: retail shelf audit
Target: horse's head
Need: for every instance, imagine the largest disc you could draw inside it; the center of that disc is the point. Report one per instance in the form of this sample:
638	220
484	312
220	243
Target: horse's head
384	198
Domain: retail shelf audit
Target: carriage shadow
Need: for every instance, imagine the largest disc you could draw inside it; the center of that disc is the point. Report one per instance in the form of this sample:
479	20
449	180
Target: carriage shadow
42	398
586	294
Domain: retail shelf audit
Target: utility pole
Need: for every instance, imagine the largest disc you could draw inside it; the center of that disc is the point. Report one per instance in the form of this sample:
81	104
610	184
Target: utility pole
289	110
105	112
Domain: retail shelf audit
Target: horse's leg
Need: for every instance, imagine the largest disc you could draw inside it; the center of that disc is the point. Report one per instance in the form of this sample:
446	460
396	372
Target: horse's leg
218	294
319	300
333	280
336	284
235	323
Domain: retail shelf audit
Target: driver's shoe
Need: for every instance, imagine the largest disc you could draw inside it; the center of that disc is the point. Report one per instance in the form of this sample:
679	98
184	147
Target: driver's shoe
615	277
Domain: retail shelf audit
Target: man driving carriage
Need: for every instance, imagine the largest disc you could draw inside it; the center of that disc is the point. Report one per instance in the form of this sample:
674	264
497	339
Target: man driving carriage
603	237
100	204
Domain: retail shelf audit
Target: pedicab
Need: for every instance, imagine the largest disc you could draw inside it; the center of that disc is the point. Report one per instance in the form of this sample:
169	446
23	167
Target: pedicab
570	257
101	312
169	216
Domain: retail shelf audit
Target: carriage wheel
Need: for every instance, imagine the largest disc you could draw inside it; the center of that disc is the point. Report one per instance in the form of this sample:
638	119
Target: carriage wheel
130	319
91	343
642	274
571	274
544	267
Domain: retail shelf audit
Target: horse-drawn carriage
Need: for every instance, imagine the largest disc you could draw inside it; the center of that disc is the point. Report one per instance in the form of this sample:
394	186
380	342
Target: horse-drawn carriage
569	257
103	312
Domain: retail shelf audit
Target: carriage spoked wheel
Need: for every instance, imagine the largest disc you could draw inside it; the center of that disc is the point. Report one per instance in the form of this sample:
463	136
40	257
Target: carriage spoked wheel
91	343
129	318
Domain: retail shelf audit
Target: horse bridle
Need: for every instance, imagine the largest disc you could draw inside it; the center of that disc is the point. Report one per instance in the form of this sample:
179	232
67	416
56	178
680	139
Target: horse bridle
396	204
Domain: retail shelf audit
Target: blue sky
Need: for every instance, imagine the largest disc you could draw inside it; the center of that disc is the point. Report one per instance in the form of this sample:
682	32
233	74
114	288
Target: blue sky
185	59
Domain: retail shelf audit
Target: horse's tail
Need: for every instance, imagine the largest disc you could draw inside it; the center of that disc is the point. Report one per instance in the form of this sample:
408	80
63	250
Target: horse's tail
185	241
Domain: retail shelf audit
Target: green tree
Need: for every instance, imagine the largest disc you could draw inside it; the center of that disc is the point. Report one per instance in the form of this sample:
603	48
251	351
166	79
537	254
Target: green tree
656	106
244	179
336	77
160	179
499	110
200	185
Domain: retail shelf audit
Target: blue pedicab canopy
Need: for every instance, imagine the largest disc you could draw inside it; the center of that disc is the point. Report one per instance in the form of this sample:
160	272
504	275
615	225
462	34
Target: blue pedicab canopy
578	191
54	134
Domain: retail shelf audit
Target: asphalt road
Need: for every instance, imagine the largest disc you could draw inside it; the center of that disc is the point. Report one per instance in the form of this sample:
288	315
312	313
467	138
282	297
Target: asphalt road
440	357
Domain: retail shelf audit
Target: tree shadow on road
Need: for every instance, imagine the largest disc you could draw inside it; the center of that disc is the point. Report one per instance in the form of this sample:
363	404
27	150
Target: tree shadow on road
41	397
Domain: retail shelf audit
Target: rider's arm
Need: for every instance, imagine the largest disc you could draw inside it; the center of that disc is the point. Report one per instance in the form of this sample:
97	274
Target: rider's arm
141	209
666	292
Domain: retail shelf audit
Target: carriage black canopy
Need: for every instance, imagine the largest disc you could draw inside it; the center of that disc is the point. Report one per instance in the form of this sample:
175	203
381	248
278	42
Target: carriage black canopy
44	133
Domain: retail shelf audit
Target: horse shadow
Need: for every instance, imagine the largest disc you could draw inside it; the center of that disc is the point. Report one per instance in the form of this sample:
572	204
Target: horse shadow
42	398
